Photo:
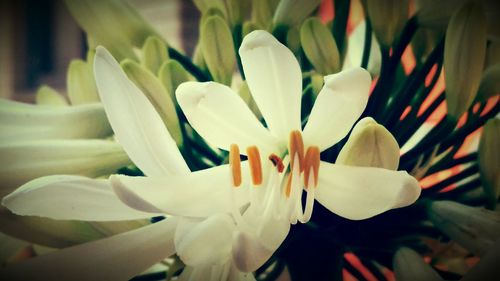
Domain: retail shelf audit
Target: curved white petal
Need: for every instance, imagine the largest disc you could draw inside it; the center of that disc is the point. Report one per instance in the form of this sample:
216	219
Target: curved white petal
119	257
137	126
205	242
358	193
275	81
248	253
198	194
70	198
354	53
221	117
21	121
337	107
23	161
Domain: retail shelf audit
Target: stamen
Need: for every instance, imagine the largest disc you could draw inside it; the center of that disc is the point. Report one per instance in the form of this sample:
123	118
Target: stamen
255	165
277	162
235	164
311	161
288	188
296	146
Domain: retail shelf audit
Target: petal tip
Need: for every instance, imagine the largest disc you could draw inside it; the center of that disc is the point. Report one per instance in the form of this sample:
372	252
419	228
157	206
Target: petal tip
256	39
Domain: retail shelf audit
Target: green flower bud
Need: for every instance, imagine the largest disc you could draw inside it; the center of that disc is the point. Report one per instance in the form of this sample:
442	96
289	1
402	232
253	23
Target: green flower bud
293	41
476	229
293	12
218	49
245	94
387	18
154	54
317	82
249	26
48	96
410	266
80	83
464	54
157	95
490	83
263	11
171	75
113	24
319	46
370	145
489	161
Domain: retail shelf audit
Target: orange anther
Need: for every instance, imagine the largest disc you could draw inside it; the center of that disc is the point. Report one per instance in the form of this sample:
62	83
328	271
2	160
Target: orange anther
235	164
311	161
296	146
255	165
277	162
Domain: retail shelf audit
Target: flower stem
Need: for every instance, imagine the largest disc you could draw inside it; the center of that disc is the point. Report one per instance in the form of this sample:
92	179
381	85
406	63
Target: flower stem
188	65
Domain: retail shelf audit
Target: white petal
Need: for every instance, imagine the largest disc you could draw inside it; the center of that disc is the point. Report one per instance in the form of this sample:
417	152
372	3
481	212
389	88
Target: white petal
354	54
21	121
70	198
23	161
358	193
275	81
137	126
119	257
221	117
337	107
205	242
248	253
199	194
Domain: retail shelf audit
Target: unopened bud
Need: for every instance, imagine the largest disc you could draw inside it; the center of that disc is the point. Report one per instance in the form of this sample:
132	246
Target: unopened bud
80	83
476	229
410	266
387	18
171	75
489	161
294	12
263	11
370	145
490	83
154	54
218	49
464	54
48	96
319	46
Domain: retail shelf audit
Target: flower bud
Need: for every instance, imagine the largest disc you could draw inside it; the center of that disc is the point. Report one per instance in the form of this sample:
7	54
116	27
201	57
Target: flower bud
476	229
387	18
218	49
111	23
317	82
293	12
157	95
48	96
293	41
80	83
410	266
248	27
464	55
171	75
489	161
319	46
245	94
154	54
263	11
370	145
490	83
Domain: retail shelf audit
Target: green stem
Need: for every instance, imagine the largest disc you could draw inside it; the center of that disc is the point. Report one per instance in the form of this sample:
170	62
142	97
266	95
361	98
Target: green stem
368	45
188	65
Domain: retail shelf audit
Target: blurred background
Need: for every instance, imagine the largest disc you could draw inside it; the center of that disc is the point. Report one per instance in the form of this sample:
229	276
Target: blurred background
38	38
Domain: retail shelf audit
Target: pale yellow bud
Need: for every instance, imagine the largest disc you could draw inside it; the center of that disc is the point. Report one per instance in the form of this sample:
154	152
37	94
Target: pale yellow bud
293	12
80	83
489	161
48	96
476	229
263	11
490	83
370	145
218	49
154	54
319	46
464	55
171	75
387	18
410	266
